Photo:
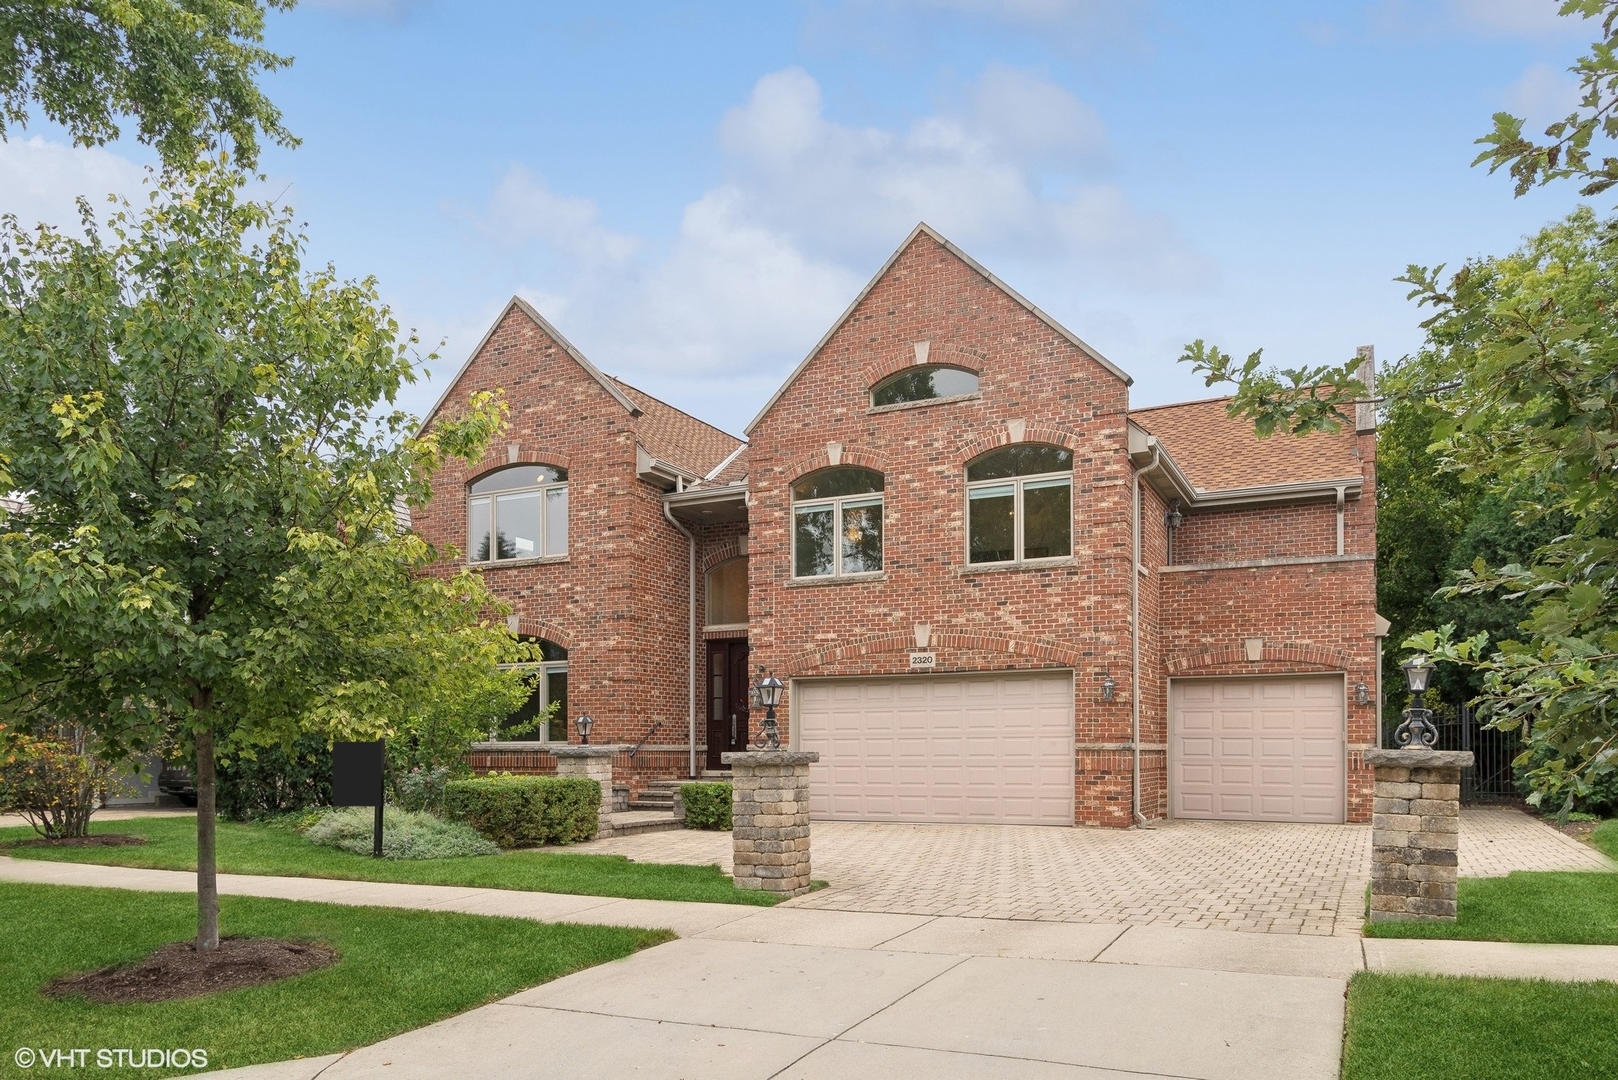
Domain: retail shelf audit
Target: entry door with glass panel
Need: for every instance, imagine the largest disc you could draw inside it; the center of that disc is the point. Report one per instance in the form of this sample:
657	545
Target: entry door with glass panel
727	699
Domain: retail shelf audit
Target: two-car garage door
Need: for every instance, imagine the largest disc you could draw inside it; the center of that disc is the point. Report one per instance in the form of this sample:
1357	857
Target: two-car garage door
1265	749
973	748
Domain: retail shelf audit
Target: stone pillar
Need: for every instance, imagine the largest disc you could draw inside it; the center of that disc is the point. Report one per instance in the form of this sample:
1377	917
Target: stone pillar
770	819
1415	833
594	762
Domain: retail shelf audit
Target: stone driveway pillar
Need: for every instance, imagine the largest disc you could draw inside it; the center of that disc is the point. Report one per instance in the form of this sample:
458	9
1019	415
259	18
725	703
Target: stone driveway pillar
595	763
770	819
1415	833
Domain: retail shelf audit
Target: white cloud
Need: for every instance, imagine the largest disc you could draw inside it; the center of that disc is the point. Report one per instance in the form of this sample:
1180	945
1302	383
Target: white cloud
1511	16
523	209
1543	93
40	181
385	9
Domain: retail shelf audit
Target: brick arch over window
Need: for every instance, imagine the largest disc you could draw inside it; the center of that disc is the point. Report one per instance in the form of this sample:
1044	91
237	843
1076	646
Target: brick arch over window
722	552
532	627
939	355
498	457
852	455
1001	436
1316	655
903	641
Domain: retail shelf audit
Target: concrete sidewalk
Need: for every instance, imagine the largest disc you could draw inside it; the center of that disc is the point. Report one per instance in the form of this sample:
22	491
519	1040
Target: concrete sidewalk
754	993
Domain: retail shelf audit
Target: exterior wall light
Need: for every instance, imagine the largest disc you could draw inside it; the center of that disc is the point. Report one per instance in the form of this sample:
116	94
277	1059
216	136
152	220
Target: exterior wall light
1109	687
584	723
1173	518
1418	727
1362	694
769	690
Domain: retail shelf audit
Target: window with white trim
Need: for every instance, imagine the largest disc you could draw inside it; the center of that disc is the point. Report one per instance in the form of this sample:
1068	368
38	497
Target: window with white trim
1019	505
549	685
518	512
837	523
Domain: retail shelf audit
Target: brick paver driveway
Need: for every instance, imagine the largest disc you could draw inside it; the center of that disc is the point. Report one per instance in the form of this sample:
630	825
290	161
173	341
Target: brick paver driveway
1253	876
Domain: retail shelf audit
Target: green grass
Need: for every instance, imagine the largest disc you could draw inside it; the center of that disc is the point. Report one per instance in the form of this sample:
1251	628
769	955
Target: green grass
398	970
1430	1027
258	849
1605	838
1567	907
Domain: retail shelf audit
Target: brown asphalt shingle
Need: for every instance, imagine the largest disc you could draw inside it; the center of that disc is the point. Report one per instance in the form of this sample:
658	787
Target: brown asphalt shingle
1218	452
676	437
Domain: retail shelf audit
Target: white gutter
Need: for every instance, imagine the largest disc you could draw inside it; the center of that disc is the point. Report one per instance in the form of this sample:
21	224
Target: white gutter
691	639
1134	642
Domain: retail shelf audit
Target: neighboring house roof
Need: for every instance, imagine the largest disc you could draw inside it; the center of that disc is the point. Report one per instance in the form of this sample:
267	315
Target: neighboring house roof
1218	452
938	238
678	437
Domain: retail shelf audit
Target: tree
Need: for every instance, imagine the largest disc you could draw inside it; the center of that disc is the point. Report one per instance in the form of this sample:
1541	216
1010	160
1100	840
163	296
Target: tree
209	546
185	69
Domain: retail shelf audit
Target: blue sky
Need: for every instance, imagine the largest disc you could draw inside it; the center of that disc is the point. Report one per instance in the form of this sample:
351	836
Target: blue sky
693	192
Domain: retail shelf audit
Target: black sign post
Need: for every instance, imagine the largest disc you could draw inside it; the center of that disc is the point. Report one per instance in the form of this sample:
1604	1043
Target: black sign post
356	780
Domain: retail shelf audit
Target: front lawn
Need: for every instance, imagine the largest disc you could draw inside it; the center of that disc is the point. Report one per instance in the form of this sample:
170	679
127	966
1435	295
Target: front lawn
1433	1027
398	970
1567	907
1605	838
259	849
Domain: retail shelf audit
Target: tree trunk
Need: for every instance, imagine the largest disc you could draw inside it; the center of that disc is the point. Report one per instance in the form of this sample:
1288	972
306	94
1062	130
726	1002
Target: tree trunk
207	871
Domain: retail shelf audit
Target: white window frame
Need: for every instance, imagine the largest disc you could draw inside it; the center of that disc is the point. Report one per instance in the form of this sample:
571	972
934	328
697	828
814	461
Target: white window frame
546	668
1018	519
836	504
491	499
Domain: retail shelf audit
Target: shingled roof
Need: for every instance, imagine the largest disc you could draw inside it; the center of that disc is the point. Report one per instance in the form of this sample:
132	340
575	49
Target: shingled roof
677	437
1218	452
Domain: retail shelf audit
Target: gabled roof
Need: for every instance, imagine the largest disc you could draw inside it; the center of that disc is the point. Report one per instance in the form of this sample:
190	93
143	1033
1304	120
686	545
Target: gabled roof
1218	452
556	335
678	437
938	238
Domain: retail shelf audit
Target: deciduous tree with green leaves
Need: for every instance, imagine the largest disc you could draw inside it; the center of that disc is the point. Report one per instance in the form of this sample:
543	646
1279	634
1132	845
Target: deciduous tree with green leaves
1519	379
186	71
209	549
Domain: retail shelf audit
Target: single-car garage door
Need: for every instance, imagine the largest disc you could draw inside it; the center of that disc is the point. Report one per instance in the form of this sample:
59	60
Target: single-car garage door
1257	749
980	748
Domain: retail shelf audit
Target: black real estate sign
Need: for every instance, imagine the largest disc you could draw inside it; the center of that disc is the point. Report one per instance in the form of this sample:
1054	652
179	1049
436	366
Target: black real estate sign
356	780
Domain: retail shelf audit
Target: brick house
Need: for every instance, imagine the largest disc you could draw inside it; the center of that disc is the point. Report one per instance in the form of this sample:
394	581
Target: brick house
941	533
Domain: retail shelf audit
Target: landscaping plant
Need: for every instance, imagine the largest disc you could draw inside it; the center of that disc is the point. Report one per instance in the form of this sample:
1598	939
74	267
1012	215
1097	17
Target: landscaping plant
526	811
260	781
53	782
707	806
406	834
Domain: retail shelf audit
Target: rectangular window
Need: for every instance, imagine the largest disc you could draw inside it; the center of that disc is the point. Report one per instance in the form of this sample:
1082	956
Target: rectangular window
556	521
812	548
992	524
556	690
1047	507
477	533
549	684
862	536
518	518
1020	521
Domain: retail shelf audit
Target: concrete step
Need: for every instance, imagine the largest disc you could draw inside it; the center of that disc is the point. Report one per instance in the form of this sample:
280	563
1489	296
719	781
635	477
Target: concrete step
628	823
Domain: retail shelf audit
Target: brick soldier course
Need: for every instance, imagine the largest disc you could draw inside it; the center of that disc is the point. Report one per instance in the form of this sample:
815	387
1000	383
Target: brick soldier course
770	820
1275	547
1415	833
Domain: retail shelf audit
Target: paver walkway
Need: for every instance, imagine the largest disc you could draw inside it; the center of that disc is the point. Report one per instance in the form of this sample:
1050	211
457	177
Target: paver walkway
1250	876
790	992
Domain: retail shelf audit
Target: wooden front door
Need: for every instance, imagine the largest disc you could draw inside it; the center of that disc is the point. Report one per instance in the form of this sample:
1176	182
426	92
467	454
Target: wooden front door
727	699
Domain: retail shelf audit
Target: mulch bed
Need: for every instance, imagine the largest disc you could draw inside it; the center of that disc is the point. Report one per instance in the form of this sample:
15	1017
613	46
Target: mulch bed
180	971
97	840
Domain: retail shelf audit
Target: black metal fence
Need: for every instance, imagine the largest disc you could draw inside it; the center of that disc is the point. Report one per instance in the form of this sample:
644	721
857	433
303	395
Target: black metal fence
1491	778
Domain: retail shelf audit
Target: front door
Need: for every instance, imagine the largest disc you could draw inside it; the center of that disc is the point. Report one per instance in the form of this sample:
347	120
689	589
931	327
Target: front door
727	699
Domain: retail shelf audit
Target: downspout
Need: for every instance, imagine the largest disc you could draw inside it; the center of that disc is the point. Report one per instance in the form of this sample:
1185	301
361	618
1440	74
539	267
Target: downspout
1134	643
691	638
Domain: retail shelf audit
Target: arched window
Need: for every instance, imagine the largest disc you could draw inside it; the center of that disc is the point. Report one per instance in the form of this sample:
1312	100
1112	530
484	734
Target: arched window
924	384
727	593
517	513
837	523
1019	503
549	675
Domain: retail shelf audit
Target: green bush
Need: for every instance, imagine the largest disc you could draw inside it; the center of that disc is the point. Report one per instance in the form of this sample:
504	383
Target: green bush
1600	800
406	834
421	789
275	779
707	806
526	811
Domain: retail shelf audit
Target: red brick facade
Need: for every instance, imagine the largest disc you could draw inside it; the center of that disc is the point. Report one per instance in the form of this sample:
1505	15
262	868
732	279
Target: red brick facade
1234	570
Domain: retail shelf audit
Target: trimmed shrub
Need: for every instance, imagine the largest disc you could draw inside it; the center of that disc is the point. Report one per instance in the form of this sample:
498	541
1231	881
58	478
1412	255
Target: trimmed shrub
406	834
526	811
707	806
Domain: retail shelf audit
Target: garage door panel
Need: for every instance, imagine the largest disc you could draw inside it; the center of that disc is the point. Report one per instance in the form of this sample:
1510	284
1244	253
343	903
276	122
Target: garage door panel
996	748
1267	749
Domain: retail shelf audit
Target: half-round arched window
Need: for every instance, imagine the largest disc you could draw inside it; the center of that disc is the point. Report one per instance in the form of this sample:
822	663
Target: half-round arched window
837	523
727	593
519	512
1019	504
924	384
